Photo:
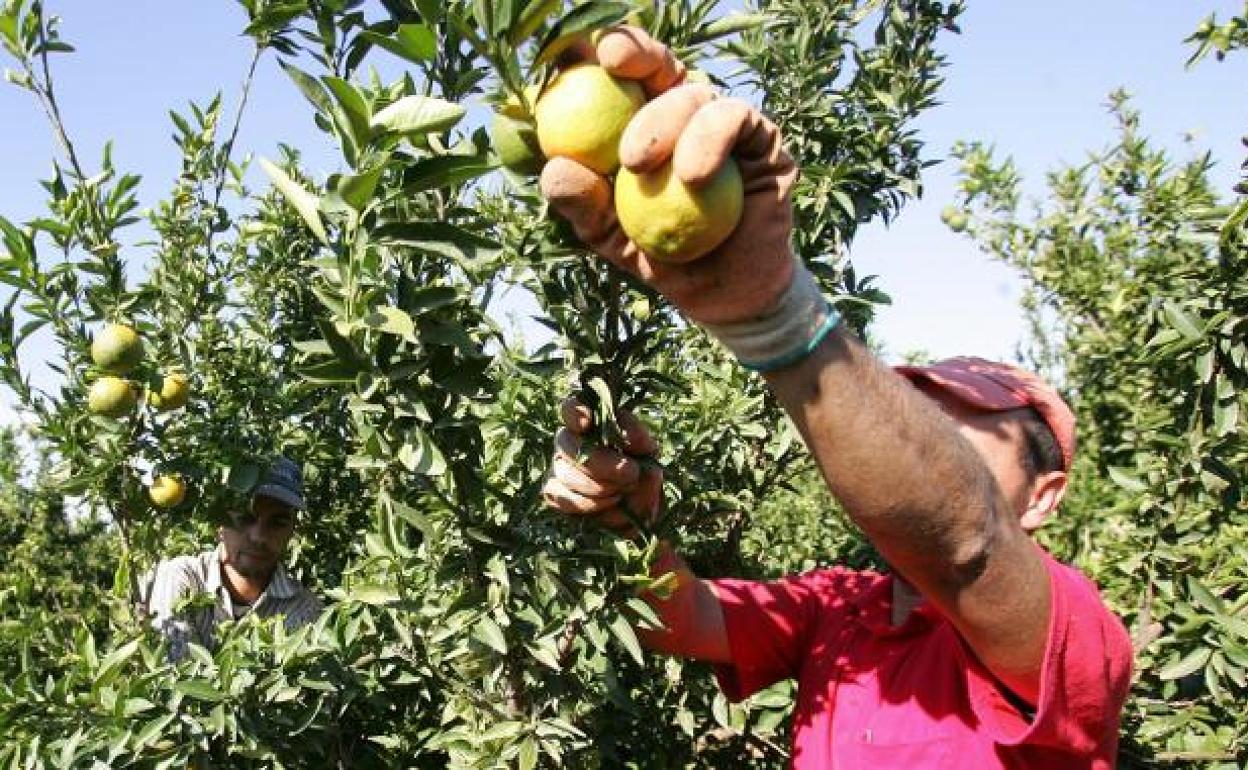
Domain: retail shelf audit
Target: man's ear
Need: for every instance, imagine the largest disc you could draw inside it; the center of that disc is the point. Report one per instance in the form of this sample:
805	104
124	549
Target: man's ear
1047	492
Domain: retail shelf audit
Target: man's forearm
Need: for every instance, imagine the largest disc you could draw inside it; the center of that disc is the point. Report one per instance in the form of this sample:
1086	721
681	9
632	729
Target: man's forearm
692	619
898	465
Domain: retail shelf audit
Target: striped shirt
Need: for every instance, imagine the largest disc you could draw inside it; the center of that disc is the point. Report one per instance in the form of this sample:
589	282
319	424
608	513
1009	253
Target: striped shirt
175	579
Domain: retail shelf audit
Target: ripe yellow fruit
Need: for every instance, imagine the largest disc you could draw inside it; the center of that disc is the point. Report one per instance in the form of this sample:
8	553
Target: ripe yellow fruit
582	114
167	491
674	222
117	349
175	391
516	145
111	397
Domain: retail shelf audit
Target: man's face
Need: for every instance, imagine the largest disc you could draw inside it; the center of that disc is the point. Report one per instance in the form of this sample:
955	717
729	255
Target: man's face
1000	440
256	542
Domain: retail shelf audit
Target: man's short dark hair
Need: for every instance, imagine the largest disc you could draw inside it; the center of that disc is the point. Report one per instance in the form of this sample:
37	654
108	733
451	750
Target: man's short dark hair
1041	453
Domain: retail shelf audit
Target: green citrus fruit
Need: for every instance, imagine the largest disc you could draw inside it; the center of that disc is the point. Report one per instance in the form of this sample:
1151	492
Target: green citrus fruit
641	309
675	222
175	390
582	114
167	491
111	397
516	145
954	218
117	349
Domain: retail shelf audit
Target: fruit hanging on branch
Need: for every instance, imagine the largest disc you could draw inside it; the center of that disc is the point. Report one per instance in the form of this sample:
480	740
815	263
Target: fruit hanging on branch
167	491
112	396
117	349
174	392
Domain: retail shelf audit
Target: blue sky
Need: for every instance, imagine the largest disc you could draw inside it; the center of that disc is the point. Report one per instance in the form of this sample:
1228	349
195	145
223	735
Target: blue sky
1029	77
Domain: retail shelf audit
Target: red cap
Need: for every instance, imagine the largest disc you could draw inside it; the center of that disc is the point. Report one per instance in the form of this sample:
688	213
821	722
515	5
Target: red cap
997	387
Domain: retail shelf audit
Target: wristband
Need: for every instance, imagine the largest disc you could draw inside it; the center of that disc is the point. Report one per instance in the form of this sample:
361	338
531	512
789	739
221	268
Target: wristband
787	333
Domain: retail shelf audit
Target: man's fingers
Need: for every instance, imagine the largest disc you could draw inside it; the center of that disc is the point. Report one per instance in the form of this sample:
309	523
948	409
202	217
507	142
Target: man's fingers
630	52
580	480
713	133
580	195
565	500
605	466
637	439
575	415
651	135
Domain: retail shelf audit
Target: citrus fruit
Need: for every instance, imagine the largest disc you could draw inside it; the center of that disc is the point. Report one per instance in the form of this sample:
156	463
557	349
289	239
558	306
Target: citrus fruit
117	349
953	217
175	390
111	397
582	113
675	222
167	491
516	145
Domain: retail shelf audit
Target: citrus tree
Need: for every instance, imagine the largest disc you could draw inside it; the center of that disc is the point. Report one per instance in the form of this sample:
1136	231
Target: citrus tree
1138	297
355	324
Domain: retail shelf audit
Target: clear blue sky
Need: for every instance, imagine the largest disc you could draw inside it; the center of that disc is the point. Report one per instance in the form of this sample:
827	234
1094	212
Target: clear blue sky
1030	77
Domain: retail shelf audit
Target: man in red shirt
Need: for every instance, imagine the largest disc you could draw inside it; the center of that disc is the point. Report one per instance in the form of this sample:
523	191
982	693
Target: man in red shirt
980	651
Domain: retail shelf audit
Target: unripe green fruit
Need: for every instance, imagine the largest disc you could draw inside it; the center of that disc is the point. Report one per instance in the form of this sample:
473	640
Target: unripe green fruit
111	397
640	309
516	145
117	349
955	218
175	391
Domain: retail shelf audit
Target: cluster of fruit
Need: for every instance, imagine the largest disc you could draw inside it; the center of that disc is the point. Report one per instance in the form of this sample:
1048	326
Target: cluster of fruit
117	351
581	114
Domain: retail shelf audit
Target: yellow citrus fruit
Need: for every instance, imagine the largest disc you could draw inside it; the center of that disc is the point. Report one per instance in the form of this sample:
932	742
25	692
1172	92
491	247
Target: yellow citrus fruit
175	390
111	397
516	145
117	349
675	222
167	491
582	114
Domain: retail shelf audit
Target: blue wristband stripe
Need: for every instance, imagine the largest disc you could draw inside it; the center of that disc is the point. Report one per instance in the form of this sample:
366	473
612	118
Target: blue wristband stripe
793	356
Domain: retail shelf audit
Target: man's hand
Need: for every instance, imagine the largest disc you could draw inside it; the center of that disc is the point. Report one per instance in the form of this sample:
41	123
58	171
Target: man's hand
607	485
697	131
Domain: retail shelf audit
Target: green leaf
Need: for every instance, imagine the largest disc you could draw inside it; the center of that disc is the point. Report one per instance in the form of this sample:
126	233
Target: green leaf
1188	664
1124	478
729	24
357	189
392	320
376	595
310	87
200	689
414	42
435	238
444	171
418	115
583	18
488	633
307	204
419	454
534	13
1203	596
243	477
1183	322
353	112
527	757
623	631
431	298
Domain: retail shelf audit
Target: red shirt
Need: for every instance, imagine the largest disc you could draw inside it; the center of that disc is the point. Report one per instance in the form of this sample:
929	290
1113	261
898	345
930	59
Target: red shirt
914	697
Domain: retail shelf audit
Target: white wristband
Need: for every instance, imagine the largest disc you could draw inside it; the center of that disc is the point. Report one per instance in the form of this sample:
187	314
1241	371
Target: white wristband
787	333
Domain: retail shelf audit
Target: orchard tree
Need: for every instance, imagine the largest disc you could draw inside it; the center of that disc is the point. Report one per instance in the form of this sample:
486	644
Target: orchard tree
354	325
1137	275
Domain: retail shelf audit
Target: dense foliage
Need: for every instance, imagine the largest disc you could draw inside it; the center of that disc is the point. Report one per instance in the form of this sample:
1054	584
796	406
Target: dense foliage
355	326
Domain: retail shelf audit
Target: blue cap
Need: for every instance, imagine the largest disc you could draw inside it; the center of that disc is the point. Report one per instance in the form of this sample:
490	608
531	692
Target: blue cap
284	482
